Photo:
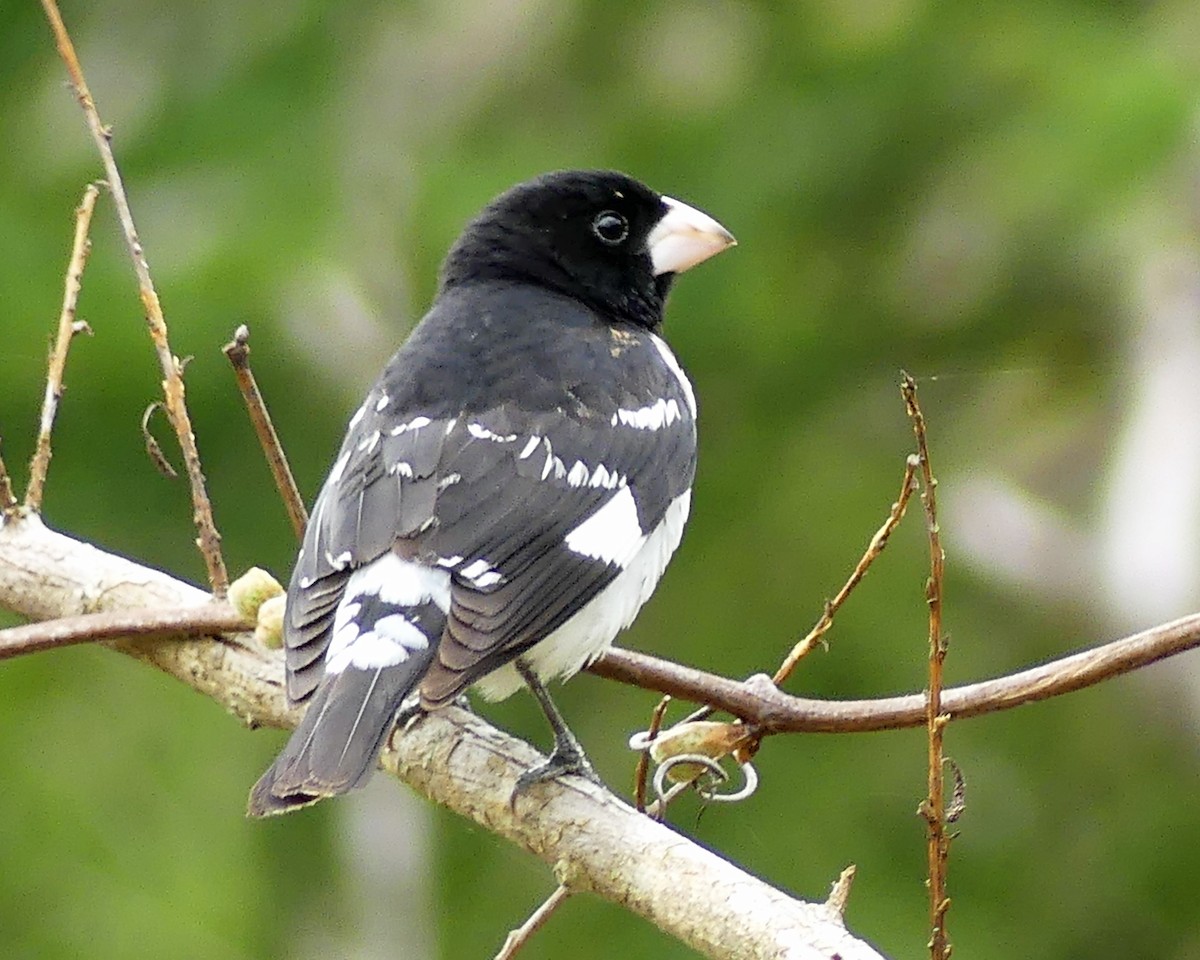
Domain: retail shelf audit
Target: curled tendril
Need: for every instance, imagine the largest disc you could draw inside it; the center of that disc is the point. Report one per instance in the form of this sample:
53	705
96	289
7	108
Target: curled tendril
714	769
708	790
641	741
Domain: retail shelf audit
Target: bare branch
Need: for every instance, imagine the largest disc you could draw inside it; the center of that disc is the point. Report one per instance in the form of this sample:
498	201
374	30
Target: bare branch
933	807
212	619
757	700
238	352
67	328
516	939
593	841
209	540
643	765
154	449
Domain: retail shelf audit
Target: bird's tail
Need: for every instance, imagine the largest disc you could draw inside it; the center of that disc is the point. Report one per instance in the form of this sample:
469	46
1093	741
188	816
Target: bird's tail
336	745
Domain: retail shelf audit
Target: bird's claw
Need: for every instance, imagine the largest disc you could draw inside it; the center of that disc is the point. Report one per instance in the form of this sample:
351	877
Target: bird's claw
561	762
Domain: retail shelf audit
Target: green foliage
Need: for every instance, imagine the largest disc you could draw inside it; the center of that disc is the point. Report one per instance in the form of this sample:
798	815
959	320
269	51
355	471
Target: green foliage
966	191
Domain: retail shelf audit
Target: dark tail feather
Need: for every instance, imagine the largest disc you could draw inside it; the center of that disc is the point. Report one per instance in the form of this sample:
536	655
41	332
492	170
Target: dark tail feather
337	743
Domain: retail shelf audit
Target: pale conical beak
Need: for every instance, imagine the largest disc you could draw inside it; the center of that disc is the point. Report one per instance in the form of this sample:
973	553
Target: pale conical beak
685	237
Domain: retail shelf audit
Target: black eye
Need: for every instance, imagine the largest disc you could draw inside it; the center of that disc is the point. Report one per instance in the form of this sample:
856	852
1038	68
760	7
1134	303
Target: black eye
610	227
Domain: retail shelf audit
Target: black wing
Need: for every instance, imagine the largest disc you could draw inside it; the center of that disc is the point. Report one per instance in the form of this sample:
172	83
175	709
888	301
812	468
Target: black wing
511	520
492	495
383	486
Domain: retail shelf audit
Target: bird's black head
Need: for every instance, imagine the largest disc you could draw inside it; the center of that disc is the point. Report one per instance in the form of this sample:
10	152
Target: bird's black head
598	236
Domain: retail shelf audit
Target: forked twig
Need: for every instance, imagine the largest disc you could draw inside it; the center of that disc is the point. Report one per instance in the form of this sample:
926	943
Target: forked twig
238	352
933	808
209	540
802	649
67	329
518	938
874	549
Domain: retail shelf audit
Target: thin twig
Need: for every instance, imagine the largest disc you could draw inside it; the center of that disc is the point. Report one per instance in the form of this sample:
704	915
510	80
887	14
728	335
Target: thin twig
643	764
518	938
153	449
9	506
209	540
756	701
933	808
658	809
874	549
208	620
67	328
759	702
238	352
821	627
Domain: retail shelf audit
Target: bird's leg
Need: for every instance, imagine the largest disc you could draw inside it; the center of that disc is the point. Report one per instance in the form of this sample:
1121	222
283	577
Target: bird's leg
568	755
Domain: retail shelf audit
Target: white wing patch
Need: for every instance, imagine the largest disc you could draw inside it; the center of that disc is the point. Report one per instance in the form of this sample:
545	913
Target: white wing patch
340	561
390	639
416	423
481	574
578	475
590	632
480	432
608	479
661	413
553	464
401	582
612	533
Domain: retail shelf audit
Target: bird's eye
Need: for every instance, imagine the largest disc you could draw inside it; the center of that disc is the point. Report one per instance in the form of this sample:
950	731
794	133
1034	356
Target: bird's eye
610	227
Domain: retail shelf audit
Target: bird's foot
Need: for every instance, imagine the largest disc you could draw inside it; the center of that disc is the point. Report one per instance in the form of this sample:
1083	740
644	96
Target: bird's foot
567	758
558	763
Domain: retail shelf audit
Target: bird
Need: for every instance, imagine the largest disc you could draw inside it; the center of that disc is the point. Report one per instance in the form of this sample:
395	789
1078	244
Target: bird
511	489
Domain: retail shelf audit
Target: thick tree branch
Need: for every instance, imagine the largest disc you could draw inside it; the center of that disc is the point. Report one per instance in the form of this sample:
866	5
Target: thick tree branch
593	841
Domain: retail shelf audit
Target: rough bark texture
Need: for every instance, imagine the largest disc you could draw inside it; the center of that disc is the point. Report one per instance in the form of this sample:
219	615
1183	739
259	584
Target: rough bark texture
591	839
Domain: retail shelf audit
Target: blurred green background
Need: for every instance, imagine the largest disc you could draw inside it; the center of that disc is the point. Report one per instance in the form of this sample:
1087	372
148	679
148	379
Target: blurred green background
999	197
